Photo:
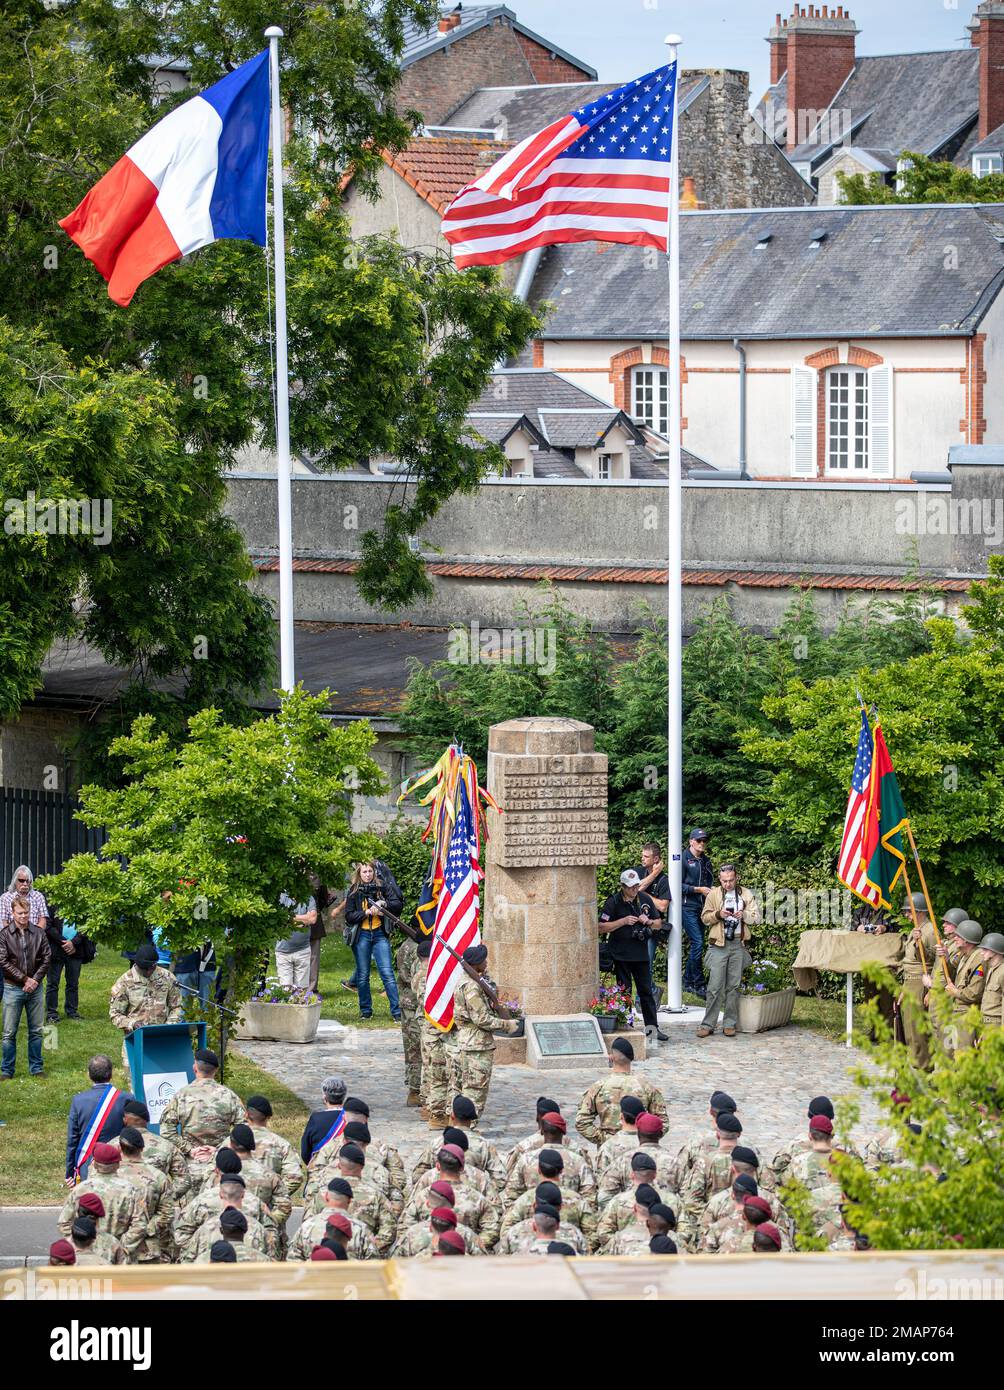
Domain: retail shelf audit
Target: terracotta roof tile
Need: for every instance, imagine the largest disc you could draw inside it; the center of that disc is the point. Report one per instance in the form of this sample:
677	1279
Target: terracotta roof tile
438	168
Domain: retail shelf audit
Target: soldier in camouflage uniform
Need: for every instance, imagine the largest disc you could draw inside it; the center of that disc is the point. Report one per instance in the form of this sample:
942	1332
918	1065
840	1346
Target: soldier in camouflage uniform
202	1213
359	1244
375	1176
778	1169
619	1212
727	1235
708	1140
559	1165
480	1153
635	1239
967	988
435	1073
616	1175
532	1237
234	1225
480	1213
476	1023
198	1118
266	1184
158	1152
574	1210
552	1133
412	1014
712	1172
369	1202
271	1148
378	1153
729	1201
157	1246
626	1138
814	1170
92	1248
125	1211
421	1238
918	960
599	1114
145	994
468	1174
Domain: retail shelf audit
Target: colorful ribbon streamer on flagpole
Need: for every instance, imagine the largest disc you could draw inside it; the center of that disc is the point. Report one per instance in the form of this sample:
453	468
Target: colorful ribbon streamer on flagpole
454	768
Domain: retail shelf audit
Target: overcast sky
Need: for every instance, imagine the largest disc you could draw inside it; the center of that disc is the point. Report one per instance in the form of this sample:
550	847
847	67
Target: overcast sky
623	38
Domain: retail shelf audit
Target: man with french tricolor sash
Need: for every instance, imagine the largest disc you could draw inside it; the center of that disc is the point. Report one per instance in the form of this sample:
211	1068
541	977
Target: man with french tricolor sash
96	1115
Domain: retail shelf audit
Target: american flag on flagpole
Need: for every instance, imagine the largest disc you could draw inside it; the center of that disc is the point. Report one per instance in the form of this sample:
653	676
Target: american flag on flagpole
456	915
599	174
850	864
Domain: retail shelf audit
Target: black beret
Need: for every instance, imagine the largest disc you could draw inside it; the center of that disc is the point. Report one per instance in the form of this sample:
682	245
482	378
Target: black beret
821	1105
547	1209
84	1227
721	1100
547	1106
357	1106
233	1220
132	1138
548	1193
340	1186
424	949
137	1108
241	1136
227	1161
665	1213
147	955
353	1153
452	1135
259	1103
464	1108
221	1252
643	1162
622	1046
234	1178
740	1154
645	1195
631	1107
356	1129
476	955
558	1247
729	1123
662	1245
746	1184
207	1055
339	1251
551	1159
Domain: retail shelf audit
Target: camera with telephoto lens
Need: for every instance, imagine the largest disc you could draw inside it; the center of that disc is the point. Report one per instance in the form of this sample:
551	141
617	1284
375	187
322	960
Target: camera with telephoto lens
642	931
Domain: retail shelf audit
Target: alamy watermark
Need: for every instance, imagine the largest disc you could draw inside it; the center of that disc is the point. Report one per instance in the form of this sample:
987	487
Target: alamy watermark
511	646
951	516
67	516
807	906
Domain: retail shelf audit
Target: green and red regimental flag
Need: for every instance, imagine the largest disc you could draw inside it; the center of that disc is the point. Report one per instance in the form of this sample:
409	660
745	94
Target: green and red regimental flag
884	842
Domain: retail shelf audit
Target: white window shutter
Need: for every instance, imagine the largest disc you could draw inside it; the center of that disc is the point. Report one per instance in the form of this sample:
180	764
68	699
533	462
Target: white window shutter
880	414
803	422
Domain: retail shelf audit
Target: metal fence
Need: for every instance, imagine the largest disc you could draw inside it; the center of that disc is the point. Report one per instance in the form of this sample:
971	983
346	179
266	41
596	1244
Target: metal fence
38	829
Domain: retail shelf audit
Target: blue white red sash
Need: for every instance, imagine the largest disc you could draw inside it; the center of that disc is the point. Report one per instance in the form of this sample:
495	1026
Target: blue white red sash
98	1120
332	1133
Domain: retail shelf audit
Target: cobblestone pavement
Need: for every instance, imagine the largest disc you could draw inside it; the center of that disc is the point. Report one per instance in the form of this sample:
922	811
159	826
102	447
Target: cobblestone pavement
771	1075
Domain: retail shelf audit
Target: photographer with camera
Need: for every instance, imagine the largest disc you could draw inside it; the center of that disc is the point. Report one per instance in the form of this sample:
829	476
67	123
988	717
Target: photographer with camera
729	912
628	920
369	936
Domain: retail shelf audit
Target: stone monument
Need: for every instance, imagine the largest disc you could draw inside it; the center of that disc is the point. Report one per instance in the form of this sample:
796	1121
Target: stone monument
540	909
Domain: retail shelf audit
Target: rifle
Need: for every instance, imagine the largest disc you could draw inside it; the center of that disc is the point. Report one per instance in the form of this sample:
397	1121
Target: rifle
483	983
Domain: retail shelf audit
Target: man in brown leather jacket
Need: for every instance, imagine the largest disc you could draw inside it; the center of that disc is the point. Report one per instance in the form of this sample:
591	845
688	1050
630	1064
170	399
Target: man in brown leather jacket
24	959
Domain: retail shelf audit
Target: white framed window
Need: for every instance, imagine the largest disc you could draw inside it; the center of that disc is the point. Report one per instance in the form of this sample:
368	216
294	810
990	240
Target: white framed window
603	465
650	397
847	420
984	164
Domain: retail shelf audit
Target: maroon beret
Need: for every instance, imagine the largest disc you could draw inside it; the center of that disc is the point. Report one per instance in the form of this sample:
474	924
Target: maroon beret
446	1214
821	1124
106	1153
62	1252
442	1188
341	1222
321	1252
554	1121
91	1203
649	1124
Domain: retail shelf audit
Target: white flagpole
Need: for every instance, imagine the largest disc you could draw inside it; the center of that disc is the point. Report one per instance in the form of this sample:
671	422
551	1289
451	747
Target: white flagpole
674	573
287	679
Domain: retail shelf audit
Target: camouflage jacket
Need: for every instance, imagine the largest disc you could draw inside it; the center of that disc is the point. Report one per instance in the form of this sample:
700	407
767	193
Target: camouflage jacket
137	1000
884	1148
207	1205
618	1214
405	960
474	1178
374	1175
723	1206
812	1169
624	1141
266	1184
632	1240
522	1239
246	1254
574	1211
417	1241
780	1167
472	1209
252	1249
160	1153
201	1113
474	1019
158	1243
106	1250
278	1154
618	1175
599	1114
313	1230
729	1236
711	1173
707	1143
536	1141
369	1206
576	1175
126	1215
480	1154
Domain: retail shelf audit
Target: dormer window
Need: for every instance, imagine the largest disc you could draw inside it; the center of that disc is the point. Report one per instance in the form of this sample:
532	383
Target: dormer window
986	164
650	397
604	465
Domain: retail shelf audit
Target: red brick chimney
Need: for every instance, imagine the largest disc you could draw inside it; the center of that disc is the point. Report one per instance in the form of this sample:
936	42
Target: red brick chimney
987	30
449	21
778	40
820	54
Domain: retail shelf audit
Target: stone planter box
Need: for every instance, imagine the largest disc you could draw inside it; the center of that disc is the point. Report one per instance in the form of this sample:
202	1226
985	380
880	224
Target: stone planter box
759	1012
636	1037
292	1023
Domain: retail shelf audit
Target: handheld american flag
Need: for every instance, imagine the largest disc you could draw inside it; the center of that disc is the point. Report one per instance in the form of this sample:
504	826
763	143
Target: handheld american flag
456	915
599	174
850	864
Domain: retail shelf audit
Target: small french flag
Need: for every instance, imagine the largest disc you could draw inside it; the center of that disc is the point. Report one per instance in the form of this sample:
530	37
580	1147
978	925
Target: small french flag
198	176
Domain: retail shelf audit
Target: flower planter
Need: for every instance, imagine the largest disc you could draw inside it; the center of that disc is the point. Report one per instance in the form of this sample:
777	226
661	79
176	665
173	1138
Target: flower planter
607	1022
292	1023
759	1012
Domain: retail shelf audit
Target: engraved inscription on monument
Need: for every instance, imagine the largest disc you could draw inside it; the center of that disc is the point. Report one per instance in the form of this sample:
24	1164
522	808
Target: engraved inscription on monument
554	811
575	1038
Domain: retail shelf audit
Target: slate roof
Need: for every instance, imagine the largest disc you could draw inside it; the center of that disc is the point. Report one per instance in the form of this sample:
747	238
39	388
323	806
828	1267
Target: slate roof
525	109
419	43
437	168
901	101
993	144
879	272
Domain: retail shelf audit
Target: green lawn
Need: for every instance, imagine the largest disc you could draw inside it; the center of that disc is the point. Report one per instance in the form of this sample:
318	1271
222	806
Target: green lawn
337	964
33	1140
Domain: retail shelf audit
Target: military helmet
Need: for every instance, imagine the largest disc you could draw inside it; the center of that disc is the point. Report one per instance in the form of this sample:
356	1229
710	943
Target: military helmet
993	941
917	899
969	931
955	915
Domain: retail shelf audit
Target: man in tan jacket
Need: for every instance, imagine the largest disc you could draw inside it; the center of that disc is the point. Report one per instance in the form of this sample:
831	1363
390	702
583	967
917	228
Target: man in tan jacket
729	912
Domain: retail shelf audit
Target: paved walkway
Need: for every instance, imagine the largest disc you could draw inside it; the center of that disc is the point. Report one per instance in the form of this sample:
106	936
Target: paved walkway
772	1076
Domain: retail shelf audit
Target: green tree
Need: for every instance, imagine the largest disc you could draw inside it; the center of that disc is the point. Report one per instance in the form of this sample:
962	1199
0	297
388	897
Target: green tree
204	837
923	180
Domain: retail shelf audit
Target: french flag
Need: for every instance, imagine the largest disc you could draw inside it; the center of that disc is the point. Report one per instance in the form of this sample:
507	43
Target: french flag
198	176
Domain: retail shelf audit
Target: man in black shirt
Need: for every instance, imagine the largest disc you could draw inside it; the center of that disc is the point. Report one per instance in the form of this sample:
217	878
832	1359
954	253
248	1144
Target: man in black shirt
655	883
627	919
698	881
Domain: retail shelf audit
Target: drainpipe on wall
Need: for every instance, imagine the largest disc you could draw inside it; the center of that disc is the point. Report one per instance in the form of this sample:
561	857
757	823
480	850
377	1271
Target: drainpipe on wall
524	280
742	408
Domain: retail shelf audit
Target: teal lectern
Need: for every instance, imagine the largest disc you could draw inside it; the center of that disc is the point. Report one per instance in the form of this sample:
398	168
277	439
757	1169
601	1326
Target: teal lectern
161	1058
